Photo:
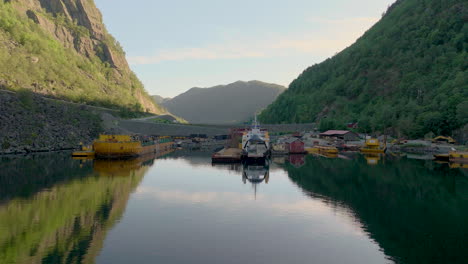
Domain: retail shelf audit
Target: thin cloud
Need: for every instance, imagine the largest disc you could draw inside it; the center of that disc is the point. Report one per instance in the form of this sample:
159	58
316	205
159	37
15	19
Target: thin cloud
340	33
207	53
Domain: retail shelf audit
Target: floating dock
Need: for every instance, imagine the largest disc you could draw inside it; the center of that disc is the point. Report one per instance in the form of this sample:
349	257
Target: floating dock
227	155
86	152
124	146
324	150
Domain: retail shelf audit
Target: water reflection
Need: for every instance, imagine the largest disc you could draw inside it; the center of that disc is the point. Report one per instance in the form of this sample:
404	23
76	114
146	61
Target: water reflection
373	159
57	210
255	174
415	209
310	210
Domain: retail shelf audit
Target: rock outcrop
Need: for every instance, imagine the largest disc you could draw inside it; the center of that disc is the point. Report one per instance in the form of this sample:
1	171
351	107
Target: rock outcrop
81	13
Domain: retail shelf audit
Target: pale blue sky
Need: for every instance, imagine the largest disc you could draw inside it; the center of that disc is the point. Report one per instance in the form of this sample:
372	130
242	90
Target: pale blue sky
175	45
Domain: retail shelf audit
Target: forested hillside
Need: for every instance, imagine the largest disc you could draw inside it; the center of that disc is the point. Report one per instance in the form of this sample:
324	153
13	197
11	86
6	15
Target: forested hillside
61	48
407	75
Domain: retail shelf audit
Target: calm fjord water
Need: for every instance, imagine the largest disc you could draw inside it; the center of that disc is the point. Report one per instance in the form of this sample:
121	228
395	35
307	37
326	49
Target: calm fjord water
181	209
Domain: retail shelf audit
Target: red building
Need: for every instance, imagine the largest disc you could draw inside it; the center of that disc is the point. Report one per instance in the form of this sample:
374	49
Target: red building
295	146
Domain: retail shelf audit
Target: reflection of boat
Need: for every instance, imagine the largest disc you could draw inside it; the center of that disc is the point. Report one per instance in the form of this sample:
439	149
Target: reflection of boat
121	146
372	159
255	173
441	157
372	145
255	143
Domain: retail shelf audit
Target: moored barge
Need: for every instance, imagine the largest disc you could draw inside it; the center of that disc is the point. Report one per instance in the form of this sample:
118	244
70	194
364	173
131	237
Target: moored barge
125	146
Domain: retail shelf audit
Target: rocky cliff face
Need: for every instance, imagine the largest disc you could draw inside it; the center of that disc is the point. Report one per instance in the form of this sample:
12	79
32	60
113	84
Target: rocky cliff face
78	26
83	13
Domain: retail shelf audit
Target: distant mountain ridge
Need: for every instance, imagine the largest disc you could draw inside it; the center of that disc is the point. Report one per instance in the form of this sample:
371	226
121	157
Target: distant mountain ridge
223	104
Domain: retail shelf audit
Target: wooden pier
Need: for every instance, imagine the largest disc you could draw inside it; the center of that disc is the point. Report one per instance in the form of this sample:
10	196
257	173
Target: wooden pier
227	155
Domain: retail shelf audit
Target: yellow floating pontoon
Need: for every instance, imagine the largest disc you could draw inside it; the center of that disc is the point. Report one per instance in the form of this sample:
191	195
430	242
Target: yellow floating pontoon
85	153
322	150
372	145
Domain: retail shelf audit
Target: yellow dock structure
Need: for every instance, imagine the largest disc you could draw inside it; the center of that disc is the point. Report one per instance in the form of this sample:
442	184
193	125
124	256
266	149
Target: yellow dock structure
86	152
324	150
373	145
440	139
123	146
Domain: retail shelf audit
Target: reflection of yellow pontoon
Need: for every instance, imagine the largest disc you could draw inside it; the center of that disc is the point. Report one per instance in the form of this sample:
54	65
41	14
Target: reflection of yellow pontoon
458	165
372	145
458	156
124	167
372	159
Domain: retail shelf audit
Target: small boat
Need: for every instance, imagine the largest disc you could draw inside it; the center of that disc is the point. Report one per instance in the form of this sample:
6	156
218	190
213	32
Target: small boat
372	145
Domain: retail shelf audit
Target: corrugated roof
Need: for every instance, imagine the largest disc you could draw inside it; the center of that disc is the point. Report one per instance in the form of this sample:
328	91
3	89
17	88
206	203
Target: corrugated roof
291	140
335	132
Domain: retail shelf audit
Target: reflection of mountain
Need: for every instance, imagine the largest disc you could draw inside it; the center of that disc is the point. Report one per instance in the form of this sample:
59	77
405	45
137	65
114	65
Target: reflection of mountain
415	210
68	221
24	176
195	158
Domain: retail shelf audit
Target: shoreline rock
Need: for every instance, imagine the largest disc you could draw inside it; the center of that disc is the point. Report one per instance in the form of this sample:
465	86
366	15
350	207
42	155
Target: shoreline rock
30	123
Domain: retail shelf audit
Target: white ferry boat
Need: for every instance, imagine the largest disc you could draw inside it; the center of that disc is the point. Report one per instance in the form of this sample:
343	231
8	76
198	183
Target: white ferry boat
255	143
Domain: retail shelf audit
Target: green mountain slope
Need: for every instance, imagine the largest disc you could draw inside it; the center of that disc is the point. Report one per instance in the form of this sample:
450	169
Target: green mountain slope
61	48
407	75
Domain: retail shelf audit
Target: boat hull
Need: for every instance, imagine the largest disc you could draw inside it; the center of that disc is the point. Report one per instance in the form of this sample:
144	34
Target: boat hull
118	149
128	149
